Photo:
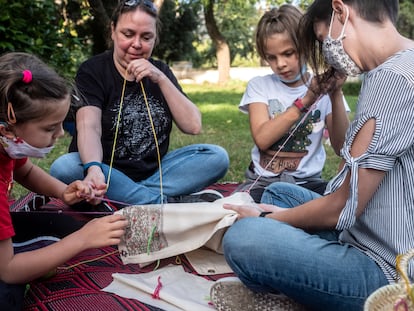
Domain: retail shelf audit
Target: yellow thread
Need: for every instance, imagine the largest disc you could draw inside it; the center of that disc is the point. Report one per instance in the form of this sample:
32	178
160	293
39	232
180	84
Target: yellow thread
153	131
155	138
87	261
116	133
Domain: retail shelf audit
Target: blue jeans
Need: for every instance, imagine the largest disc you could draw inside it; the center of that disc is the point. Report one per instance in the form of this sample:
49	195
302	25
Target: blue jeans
314	269
184	171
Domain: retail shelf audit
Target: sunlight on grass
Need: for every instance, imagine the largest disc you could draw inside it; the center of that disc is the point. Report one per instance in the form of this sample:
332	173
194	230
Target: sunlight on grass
206	108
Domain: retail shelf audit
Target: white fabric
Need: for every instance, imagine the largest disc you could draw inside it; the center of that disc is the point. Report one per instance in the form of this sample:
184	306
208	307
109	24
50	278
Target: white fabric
180	290
278	96
160	231
207	262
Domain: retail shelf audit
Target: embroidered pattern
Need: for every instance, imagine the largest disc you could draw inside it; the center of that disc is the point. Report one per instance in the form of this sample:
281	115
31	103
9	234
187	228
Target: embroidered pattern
144	231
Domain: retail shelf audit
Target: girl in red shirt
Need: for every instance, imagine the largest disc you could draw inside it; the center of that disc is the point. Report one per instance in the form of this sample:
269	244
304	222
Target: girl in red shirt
34	101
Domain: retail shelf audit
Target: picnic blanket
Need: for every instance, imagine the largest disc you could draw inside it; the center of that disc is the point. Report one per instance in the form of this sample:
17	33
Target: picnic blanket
78	285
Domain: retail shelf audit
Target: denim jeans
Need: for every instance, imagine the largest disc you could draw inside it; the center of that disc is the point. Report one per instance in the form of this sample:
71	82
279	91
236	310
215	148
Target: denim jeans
314	269
184	171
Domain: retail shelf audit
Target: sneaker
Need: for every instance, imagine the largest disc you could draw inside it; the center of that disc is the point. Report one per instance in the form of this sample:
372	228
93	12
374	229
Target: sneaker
207	195
230	294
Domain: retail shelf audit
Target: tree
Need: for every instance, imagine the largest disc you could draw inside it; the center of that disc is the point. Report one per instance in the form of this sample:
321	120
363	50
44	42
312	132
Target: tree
219	41
40	27
178	31
405	23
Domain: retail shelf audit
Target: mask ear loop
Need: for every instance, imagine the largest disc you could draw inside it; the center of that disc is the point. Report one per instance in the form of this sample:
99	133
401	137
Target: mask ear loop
11	116
342	34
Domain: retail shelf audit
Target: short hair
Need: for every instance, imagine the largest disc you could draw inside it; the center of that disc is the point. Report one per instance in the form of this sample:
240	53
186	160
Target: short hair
376	11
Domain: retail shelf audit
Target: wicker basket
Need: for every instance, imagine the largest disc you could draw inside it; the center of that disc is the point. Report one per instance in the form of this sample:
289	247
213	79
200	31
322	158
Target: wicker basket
394	297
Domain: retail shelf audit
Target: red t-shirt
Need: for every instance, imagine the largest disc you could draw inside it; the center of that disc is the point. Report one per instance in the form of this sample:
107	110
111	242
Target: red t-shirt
7	167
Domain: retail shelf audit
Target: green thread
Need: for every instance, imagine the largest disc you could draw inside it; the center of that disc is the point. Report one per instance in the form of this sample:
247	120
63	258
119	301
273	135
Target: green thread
151	237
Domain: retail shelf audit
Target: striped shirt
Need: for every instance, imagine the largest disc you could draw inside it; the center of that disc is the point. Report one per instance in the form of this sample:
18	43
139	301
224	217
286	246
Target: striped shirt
386	227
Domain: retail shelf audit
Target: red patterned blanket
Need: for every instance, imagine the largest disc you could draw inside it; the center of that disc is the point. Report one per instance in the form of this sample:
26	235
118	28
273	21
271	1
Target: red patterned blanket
78	284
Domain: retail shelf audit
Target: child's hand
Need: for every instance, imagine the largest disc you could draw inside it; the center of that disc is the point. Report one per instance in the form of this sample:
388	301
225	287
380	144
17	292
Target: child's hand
81	190
104	231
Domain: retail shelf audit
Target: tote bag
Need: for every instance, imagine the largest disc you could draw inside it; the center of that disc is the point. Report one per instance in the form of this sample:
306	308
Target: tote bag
158	231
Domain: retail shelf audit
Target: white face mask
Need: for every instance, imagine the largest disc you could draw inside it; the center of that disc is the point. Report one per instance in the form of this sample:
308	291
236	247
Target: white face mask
334	53
17	148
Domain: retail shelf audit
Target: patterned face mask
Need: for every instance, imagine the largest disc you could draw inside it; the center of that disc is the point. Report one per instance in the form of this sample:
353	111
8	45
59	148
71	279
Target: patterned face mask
17	148
334	53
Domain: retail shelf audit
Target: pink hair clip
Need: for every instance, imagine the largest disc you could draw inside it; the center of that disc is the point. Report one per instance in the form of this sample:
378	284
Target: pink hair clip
27	76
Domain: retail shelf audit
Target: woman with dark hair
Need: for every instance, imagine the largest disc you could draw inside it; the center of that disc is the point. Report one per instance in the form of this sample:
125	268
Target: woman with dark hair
331	252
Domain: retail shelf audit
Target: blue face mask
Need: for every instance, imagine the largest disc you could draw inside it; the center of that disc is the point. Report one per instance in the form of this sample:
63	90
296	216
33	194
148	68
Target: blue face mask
298	77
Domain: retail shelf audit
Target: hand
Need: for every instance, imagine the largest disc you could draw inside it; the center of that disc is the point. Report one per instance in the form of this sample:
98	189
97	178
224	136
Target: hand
79	190
140	68
76	192
327	83
103	231
251	210
96	181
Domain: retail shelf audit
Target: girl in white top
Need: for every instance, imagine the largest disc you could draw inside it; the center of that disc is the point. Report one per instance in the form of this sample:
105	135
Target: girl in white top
278	102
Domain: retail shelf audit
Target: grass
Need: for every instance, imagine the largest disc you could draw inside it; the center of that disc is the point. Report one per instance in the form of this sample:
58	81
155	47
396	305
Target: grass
223	124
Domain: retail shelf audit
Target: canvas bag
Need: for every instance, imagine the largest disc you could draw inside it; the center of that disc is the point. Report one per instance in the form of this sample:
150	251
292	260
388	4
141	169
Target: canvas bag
158	231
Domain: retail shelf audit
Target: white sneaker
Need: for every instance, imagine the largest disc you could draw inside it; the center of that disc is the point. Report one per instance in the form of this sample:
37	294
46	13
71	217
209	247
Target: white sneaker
230	294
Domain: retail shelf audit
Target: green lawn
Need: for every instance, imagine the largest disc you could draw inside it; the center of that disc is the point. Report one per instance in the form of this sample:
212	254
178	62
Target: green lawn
223	124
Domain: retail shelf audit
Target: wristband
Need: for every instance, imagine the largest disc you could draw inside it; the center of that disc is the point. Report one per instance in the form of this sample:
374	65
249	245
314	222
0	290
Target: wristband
263	214
298	104
86	166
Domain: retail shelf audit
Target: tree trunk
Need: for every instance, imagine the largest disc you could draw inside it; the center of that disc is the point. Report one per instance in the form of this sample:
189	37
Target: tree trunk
220	43
100	26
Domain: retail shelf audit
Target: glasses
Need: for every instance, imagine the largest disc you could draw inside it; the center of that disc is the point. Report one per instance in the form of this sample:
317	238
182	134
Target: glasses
146	3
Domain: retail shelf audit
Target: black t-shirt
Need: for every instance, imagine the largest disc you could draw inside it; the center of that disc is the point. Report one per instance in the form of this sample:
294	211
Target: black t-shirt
135	153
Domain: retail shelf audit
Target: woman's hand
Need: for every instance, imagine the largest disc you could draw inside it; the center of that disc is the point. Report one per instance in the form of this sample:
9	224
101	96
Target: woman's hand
327	83
251	210
96	181
140	68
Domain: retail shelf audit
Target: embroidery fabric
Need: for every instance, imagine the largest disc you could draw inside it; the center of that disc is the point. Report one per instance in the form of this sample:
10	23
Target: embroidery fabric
144	232
158	231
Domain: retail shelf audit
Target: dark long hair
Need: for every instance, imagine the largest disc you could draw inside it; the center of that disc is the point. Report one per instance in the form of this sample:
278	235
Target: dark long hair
310	47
